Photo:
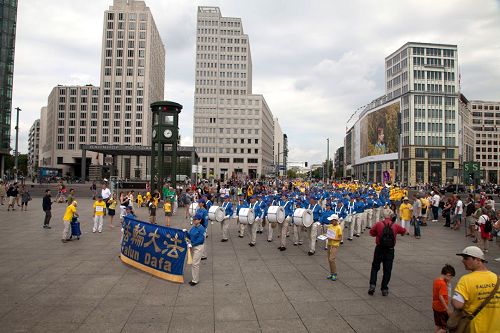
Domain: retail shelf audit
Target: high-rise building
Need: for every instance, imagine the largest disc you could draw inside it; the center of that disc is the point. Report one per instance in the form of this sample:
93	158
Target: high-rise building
8	15
33	148
486	126
233	128
412	131
278	148
69	120
132	77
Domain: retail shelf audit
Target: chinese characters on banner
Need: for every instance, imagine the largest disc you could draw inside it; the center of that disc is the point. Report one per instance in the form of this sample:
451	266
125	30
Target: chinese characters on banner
154	249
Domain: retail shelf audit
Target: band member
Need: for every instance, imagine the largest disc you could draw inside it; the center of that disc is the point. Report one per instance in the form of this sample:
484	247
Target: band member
341	211
258	215
283	227
349	219
274	201
263	208
359	218
242	203
368	211
202	211
297	238
312	231
228	208
196	237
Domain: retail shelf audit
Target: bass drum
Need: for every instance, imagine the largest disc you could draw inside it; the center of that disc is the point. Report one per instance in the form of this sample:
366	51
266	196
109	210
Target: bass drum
216	213
193	208
246	216
276	214
303	217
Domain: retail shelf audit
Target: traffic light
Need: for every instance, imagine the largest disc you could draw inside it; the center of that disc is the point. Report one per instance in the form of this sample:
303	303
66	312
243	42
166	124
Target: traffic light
305	164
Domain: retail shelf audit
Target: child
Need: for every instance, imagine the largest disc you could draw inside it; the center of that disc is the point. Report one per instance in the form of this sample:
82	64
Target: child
196	236
139	200
440	305
152	212
334	235
168	212
99	207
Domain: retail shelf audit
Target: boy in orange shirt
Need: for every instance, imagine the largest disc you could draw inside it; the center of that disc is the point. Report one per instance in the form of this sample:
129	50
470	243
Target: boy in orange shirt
440	305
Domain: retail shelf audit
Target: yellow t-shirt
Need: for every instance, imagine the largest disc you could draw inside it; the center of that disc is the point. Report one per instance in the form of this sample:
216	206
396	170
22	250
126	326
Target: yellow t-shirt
425	203
99	208
168	207
336	232
112	203
406	211
68	215
474	288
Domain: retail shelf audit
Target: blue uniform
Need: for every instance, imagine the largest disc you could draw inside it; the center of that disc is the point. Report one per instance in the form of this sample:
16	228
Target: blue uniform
324	216
316	209
241	205
209	204
228	206
359	207
340	211
204	213
197	235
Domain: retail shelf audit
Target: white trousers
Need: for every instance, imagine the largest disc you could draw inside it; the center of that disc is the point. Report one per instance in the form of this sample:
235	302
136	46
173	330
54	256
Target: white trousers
282	231
67	230
195	267
98	221
358	221
369	218
253	230
297	239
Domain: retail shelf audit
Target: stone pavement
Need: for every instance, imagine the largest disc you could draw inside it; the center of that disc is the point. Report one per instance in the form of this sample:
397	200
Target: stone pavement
82	286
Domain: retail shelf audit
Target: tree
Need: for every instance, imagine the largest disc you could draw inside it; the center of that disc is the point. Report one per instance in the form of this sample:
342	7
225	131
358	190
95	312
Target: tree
22	162
291	173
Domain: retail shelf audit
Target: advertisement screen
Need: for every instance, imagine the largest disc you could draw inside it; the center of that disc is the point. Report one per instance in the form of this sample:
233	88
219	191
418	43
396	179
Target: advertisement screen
379	131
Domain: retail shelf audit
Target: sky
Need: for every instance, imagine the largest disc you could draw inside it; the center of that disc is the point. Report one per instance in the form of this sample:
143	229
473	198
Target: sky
315	61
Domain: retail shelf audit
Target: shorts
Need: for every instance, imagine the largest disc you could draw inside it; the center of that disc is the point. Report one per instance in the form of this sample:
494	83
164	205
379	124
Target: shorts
168	213
424	211
440	318
111	212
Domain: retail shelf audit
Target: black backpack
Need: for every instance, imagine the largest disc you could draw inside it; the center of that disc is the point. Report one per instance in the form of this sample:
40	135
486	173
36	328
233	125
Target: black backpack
387	239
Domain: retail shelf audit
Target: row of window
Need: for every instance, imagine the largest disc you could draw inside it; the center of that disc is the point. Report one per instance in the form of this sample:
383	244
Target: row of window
434	153
227	130
437	100
432	140
213	150
74	91
227	121
434	127
227	159
436	62
485	121
131	16
485	107
226	140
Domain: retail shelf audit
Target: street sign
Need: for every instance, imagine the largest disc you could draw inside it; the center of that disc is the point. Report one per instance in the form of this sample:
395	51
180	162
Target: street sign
472	166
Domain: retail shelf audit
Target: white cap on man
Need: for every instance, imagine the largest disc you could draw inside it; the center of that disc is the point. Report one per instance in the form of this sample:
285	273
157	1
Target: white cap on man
472	251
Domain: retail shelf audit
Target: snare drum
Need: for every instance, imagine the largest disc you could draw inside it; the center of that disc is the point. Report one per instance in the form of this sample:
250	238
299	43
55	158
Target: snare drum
246	216
216	213
276	214
303	217
193	208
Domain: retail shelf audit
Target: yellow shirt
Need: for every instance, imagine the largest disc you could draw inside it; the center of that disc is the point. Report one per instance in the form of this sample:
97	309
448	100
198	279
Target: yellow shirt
112	203
68	215
425	203
168	207
474	288
99	208
406	211
336	232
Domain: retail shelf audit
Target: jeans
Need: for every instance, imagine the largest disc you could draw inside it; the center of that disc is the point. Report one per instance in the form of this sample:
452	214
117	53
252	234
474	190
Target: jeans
384	256
435	212
416	226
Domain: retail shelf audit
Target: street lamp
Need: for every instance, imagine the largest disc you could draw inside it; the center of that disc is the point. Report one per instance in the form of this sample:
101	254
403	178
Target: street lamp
16	157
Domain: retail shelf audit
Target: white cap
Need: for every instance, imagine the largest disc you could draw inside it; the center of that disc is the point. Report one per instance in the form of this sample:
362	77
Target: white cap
333	217
432	192
472	251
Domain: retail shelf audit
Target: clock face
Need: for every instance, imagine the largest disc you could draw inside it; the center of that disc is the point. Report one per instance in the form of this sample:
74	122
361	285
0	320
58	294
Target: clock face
154	133
167	133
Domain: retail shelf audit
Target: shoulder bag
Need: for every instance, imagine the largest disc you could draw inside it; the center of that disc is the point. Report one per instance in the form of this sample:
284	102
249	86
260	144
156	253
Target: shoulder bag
459	320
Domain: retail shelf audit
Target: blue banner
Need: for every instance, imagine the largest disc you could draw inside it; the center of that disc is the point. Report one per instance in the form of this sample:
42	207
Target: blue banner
155	249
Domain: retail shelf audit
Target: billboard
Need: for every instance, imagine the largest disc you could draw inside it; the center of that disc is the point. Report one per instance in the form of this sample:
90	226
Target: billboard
377	134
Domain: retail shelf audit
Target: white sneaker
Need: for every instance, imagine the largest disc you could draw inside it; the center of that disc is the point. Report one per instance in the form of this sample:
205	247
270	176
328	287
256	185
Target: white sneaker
93	230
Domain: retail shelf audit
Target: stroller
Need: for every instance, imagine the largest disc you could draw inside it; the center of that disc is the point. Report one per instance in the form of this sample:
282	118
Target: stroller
75	228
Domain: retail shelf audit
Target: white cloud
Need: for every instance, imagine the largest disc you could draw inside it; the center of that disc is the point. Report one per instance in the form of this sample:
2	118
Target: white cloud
315	62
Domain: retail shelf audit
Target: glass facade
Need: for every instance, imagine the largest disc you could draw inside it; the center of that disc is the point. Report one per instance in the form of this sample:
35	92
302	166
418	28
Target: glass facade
8	16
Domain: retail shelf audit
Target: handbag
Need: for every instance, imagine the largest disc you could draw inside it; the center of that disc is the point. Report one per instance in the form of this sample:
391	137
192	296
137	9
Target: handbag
459	320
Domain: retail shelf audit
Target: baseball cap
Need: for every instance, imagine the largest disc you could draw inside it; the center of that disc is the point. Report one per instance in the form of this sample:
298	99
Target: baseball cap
405	198
472	251
333	217
198	217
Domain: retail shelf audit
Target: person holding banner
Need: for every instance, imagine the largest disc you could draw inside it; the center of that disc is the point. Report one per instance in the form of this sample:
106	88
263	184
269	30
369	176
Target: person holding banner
228	207
334	236
196	236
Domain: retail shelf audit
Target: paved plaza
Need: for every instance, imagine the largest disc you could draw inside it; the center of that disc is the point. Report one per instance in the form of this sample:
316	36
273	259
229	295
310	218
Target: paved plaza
82	286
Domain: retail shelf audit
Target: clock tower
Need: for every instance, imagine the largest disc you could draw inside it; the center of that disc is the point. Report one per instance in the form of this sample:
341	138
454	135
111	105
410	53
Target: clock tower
165	138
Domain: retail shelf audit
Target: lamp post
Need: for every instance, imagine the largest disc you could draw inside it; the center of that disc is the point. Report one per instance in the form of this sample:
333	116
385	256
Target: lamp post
16	157
327	159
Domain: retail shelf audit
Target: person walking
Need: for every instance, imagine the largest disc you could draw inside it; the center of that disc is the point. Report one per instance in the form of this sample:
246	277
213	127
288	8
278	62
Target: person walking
435	200
67	218
112	208
459	209
25	198
385	233
12	193
417	216
47	209
485	227
473	291
405	213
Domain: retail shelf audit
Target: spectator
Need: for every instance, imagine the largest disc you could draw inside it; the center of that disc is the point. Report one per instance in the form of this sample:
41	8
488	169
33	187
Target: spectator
474	288
2	192
436	199
385	232
25	198
99	208
12	193
112	203
47	208
485	227
459	209
417	216
440	306
196	237
334	235
405	213
447	212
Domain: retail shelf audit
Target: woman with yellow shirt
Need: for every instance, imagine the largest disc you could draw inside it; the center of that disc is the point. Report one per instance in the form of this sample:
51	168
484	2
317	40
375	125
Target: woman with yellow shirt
112	209
405	213
67	218
334	235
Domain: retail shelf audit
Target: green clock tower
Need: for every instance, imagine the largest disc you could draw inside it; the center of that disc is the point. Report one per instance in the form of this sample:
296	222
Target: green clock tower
165	138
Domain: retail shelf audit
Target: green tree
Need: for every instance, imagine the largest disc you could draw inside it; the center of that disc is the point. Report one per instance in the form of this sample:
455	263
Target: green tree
291	174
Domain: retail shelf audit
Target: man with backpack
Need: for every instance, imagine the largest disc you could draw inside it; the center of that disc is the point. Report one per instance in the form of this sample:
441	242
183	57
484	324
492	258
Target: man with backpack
385	232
